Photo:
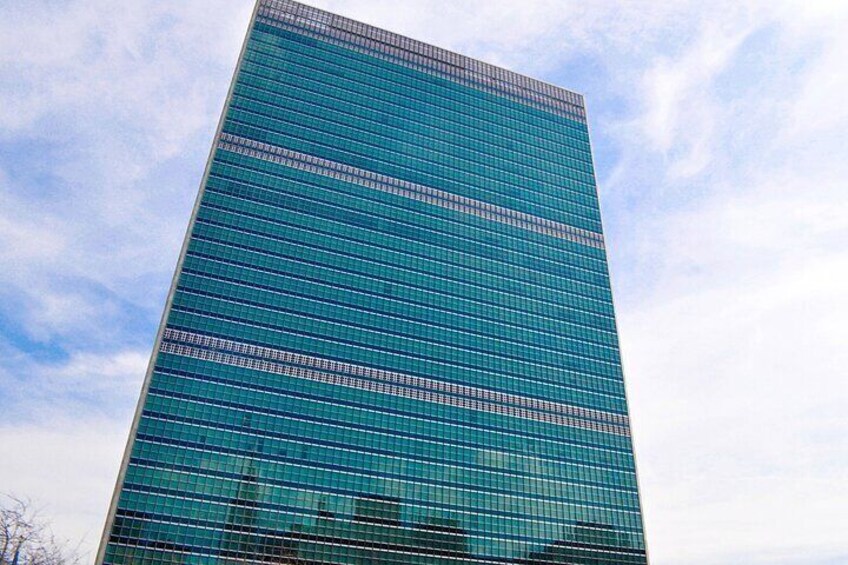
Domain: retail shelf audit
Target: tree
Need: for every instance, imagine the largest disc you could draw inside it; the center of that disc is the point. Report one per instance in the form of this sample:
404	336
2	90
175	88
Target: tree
26	540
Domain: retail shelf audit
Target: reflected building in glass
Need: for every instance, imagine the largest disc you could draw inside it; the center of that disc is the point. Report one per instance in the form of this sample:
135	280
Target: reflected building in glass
390	337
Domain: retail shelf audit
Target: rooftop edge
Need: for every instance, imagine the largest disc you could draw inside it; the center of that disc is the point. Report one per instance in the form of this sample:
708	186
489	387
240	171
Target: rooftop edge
422	56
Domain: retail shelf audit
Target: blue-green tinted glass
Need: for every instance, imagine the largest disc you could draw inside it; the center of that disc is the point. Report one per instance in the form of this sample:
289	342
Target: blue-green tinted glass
392	337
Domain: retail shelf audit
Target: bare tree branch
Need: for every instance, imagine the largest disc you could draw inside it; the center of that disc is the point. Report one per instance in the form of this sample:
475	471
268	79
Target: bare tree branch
26	540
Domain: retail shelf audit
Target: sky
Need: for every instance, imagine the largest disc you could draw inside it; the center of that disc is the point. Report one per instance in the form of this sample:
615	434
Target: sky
720	132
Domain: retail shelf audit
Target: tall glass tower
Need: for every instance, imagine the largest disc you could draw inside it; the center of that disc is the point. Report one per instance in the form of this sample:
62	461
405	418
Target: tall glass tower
390	338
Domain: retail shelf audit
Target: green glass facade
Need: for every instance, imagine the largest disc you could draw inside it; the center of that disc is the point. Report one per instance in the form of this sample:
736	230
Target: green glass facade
390	337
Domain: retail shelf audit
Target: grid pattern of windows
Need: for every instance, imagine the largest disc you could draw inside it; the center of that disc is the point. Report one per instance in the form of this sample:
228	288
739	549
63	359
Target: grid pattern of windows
391	336
385	44
426	194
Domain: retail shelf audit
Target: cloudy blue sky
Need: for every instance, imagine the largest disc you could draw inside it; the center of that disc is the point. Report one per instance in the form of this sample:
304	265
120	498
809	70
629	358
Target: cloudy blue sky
721	145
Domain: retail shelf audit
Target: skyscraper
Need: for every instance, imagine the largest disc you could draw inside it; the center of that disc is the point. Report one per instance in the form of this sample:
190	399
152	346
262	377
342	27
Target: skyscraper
390	336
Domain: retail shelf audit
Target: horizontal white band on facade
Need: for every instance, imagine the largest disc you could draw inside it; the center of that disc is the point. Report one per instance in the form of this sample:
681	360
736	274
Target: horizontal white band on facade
271	360
422	56
383	388
421	193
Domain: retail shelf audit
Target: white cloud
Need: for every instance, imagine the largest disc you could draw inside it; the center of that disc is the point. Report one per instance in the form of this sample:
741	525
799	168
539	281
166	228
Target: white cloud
735	350
62	435
67	466
98	384
680	109
738	393
106	120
